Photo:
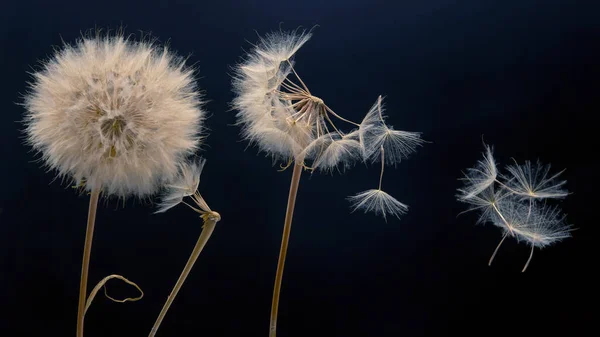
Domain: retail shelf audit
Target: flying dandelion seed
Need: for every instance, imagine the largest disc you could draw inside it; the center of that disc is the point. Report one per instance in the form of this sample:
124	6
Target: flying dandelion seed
513	203
533	181
375	136
480	177
376	200
184	185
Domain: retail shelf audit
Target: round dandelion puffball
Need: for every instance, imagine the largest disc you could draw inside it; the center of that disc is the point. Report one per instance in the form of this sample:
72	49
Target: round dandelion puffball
114	114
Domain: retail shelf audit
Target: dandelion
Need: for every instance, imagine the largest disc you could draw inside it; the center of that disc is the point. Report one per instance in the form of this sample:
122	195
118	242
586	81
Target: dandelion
513	203
116	116
185	185
279	114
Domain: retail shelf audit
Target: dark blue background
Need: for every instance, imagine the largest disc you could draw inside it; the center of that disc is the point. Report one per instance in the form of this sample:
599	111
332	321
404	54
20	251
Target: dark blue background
524	74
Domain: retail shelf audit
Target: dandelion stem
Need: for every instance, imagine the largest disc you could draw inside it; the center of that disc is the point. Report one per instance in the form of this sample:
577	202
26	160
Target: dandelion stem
207	230
497	247
382	167
87	249
287	227
529	259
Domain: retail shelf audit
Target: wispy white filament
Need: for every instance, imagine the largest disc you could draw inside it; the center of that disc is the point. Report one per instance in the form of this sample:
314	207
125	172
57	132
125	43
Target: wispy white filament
480	177
375	134
533	181
378	202
184	185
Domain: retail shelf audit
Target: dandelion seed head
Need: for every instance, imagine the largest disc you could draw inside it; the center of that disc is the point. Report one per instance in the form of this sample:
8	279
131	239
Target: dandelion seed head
264	114
117	114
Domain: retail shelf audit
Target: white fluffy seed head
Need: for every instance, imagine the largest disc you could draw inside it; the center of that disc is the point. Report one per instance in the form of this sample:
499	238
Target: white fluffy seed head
114	114
262	113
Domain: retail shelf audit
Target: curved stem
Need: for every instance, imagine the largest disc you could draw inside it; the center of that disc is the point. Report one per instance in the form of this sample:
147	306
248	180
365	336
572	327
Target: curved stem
87	249
528	260
287	227
207	231
497	247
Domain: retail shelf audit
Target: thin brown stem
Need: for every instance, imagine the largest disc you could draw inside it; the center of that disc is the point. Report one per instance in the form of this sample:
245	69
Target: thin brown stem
287	227
207	230
85	264
529	259
497	247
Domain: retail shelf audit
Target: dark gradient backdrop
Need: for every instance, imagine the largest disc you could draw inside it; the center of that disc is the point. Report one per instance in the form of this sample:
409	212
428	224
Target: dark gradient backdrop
522	74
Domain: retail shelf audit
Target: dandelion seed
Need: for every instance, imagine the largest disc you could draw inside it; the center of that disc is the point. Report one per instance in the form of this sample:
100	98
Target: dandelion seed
486	202
378	201
330	150
281	46
480	177
184	185
532	181
514	207
545	225
375	134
